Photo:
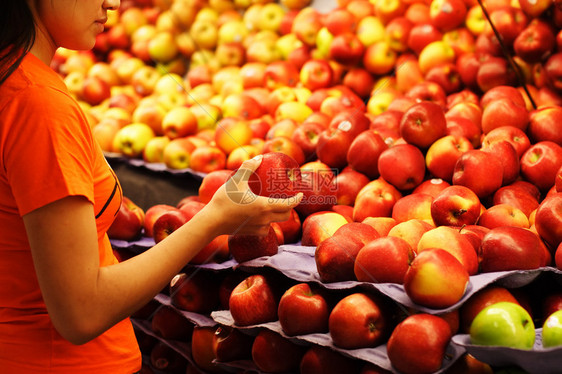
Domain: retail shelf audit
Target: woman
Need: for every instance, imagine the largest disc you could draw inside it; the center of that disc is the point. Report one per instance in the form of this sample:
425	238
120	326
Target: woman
64	299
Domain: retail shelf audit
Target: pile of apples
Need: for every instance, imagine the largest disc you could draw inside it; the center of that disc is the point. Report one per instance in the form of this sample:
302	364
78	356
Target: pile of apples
422	142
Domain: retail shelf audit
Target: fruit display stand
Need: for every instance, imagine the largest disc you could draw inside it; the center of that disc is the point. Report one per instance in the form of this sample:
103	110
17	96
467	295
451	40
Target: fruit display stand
295	263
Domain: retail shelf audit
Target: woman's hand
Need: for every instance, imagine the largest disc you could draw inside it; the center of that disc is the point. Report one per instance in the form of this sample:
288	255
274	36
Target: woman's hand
235	209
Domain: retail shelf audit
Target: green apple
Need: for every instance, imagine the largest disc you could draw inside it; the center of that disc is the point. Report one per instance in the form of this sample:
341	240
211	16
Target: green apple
552	330
503	324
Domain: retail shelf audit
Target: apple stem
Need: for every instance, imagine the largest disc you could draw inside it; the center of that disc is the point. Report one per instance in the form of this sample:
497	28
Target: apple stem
505	51
459	213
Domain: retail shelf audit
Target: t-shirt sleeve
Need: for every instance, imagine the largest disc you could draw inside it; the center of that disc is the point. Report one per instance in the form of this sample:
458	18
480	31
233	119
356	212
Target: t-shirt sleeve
49	149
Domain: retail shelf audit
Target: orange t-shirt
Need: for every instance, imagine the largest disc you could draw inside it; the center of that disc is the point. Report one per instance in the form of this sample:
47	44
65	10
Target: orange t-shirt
47	152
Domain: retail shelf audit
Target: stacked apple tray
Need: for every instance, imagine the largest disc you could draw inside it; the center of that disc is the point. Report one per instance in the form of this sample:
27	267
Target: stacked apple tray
297	263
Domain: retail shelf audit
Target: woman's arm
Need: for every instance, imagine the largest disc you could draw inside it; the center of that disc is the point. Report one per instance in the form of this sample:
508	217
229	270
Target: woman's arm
84	300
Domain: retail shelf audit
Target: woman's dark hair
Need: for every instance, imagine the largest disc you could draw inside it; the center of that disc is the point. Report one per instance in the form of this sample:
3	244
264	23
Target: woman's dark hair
17	35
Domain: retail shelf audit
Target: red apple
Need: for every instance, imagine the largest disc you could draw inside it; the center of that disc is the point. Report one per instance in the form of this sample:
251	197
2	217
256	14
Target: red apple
548	218
333	146
382	224
411	231
451	240
248	247
276	176
535	42
418	344
510	248
544	124
480	171
540	163
322	359
211	183
230	344
376	199
552	69
517	137
335	256
423	123
280	73
128	222
168	323
306	137
359	80
359	320
504	112
431	186
348	183
202	348
319	226
508	158
303	300
291	228
346	48
215	251
284	144
421	35
443	154
254	290
318	188
456	206
436	279
167	223
272	353
503	215
165	358
413	206
316	73
516	197
412	170
364	151
384	259
195	291
447	14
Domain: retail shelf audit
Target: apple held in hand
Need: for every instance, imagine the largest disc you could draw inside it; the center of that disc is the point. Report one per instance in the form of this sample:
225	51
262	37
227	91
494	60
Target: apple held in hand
277	176
436	279
128	222
418	344
254	290
359	320
552	330
303	309
503	324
